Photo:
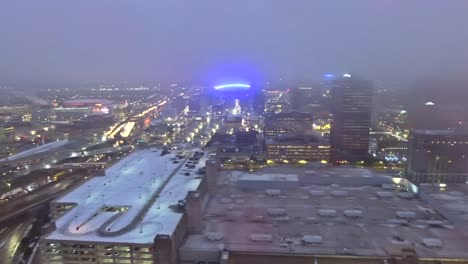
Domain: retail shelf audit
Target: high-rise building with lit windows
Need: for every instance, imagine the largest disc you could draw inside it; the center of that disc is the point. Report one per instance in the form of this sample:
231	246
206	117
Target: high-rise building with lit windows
438	156
288	123
351	108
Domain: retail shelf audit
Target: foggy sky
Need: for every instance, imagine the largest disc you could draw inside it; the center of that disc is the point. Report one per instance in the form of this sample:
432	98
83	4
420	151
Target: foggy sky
103	40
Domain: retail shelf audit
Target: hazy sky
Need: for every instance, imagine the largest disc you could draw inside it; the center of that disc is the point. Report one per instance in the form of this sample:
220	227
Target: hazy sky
48	41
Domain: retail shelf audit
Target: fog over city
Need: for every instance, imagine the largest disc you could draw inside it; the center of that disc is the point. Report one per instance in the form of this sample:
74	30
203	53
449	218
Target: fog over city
233	131
66	42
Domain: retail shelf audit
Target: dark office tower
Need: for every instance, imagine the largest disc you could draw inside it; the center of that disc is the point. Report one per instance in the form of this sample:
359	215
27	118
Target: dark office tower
259	102
351	108
305	97
288	124
438	156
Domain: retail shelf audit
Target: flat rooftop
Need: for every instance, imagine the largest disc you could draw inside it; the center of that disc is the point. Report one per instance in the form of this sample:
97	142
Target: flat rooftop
334	211
451	200
131	203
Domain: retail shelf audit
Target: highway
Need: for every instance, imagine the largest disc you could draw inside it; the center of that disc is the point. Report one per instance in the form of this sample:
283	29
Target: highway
10	239
15	216
19	205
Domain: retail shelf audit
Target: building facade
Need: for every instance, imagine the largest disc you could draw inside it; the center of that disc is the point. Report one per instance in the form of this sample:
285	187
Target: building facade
351	108
438	156
288	123
297	149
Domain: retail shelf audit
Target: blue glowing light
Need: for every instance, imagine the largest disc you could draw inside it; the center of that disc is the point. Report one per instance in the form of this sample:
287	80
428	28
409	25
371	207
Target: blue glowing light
329	75
233	85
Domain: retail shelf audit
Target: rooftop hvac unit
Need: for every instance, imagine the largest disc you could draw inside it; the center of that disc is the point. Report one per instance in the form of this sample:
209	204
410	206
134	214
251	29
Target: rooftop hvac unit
214	236
317	192
273	192
353	213
311	239
397	221
339	193
432	242
327	212
258	237
276	211
406	214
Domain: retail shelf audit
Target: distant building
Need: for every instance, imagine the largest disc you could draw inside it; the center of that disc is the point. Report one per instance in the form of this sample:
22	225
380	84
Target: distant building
351	108
297	149
288	123
244	138
276	102
438	156
15	110
305	95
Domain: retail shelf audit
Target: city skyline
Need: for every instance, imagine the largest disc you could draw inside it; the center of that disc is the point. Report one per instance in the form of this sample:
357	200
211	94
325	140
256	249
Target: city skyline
226	132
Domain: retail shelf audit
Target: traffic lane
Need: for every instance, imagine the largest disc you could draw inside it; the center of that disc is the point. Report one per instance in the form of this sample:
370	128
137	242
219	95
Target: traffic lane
10	241
43	193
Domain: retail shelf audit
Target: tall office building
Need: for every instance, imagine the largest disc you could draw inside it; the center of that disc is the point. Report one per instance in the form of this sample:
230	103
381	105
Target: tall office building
351	108
288	123
308	97
438	156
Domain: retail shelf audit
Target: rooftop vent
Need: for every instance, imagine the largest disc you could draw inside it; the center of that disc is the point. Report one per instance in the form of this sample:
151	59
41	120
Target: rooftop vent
406	214
353	213
339	193
317	192
432	242
432	223
276	211
259	237
214	236
311	239
273	192
327	212
398	221
385	194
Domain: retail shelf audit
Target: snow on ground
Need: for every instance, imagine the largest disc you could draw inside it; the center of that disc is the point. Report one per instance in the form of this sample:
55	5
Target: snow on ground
36	150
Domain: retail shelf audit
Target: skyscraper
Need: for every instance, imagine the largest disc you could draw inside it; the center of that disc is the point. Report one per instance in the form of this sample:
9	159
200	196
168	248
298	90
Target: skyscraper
351	108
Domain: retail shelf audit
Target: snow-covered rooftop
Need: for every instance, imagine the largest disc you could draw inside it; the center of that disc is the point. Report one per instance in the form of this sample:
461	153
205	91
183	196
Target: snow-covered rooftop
131	203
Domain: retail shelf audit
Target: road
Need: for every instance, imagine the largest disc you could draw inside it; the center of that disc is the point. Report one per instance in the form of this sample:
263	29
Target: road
10	239
21	204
